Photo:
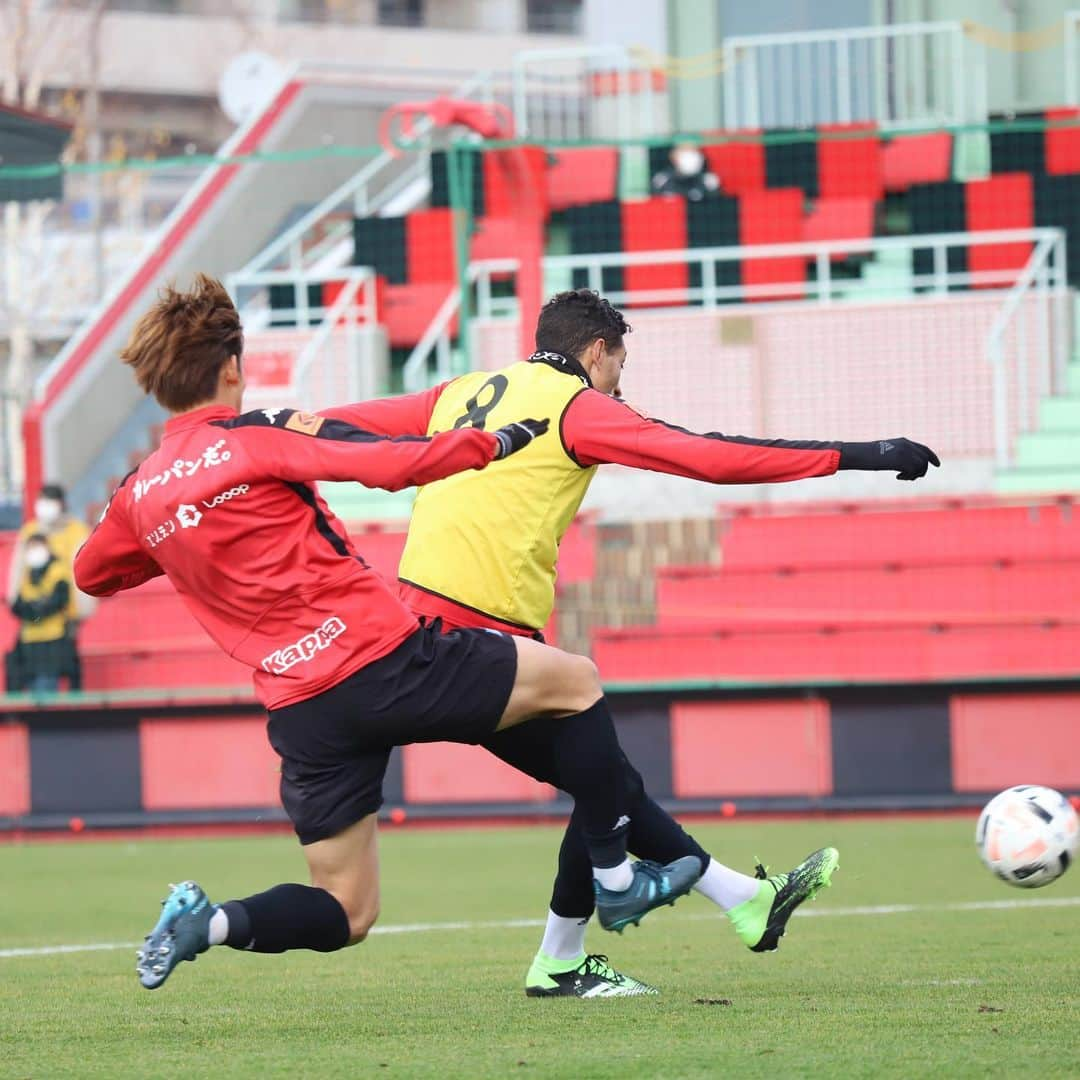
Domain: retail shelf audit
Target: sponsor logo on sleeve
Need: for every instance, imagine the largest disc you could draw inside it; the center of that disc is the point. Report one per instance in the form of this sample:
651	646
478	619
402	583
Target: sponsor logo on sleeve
304	650
304	422
189	516
272	414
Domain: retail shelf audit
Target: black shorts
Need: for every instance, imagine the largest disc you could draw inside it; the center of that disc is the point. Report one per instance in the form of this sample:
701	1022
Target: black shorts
335	747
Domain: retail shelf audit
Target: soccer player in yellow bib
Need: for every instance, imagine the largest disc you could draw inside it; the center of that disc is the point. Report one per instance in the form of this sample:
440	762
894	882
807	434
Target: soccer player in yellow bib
482	549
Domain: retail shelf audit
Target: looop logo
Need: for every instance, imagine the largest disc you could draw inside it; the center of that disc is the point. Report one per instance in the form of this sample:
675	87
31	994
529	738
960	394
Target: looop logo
225	496
300	652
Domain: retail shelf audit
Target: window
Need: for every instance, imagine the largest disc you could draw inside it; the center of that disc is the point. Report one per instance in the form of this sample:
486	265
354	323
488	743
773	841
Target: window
553	16
401	12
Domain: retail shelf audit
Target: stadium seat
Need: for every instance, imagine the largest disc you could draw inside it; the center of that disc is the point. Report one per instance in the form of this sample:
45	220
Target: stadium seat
1019	149
849	162
999	202
938	208
791	161
429	246
1063	143
1049	589
772	217
840	218
916	159
739	164
579	175
911	538
656	224
848	652
505	171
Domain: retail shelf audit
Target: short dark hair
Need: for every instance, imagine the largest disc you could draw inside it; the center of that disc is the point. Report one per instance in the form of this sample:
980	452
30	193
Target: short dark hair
179	346
571	320
56	492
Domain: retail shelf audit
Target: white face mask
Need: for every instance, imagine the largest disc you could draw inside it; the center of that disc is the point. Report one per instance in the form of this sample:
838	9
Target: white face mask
688	162
47	511
37	556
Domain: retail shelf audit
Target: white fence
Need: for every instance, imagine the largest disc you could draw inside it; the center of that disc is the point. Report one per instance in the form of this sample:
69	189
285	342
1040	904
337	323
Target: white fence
903	76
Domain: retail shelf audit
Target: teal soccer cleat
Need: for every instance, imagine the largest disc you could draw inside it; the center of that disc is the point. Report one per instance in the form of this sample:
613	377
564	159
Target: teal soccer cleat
653	886
182	932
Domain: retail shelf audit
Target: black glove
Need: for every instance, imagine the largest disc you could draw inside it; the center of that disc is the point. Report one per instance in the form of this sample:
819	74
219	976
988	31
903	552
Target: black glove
517	436
909	460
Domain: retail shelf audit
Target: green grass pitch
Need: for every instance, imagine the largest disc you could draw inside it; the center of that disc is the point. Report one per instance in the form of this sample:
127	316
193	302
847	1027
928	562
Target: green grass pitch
943	987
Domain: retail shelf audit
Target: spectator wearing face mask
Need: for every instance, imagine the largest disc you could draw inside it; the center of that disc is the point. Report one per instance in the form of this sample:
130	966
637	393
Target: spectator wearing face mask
688	175
43	649
64	535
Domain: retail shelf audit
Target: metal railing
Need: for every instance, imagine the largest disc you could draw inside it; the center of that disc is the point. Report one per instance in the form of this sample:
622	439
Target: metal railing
1026	369
901	76
384	179
590	91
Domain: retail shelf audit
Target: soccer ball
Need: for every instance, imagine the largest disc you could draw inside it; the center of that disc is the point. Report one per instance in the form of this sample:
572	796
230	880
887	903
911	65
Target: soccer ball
1028	835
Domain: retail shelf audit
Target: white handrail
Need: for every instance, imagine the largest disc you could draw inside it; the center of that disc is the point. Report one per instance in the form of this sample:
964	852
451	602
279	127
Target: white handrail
1041	285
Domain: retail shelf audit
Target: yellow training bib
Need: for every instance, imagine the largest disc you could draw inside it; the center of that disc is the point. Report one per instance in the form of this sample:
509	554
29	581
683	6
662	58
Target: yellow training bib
489	538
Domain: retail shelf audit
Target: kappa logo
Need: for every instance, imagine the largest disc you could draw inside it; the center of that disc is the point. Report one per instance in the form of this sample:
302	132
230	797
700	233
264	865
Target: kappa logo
304	650
304	422
272	414
189	516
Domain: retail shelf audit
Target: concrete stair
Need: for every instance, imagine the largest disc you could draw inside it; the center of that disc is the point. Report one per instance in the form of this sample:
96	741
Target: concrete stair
886	277
1048	460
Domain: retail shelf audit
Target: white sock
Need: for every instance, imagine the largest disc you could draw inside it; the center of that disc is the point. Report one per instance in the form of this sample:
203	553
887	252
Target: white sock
725	886
219	927
616	878
564	939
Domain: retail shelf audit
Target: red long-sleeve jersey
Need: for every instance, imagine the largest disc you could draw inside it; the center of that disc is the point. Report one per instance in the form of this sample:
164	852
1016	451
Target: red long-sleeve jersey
482	550
227	509
601	430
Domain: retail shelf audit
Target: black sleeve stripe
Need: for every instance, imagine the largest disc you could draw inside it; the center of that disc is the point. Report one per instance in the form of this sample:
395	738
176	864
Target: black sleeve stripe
745	440
562	434
337	430
322	522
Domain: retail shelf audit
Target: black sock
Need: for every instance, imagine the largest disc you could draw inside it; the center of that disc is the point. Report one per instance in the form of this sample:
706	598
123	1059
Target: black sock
654	834
287	917
591	767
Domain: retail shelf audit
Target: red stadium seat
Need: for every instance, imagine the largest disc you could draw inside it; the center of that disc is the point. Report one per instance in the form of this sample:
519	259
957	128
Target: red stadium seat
916	159
408	310
849	161
429	246
796	654
657	224
1048	589
903	538
840	219
999	202
515	180
739	164
1063	143
581	175
772	217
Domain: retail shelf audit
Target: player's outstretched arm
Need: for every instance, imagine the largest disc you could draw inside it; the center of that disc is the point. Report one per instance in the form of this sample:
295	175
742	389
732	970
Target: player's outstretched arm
111	559
408	414
597	429
299	447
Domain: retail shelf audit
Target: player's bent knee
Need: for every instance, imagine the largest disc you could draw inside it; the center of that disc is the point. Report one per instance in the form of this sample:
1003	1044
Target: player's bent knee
586	683
360	924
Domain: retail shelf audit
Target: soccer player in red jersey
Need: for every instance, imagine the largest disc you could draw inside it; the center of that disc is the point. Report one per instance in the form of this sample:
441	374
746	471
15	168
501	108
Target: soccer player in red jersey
482	548
226	508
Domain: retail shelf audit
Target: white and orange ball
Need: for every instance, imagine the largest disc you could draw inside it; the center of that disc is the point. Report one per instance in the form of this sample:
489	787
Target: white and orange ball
1028	835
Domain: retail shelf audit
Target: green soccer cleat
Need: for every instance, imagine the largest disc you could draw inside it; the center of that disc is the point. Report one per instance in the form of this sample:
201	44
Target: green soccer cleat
652	887
761	921
182	932
588	977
